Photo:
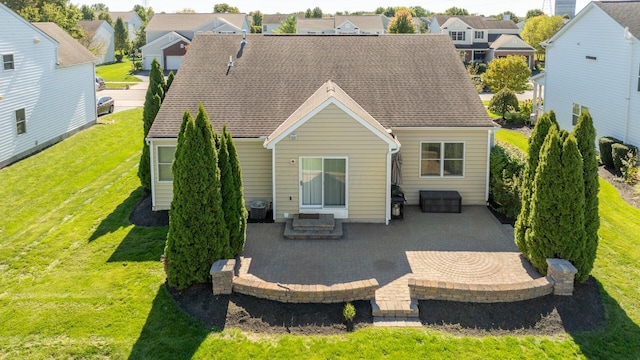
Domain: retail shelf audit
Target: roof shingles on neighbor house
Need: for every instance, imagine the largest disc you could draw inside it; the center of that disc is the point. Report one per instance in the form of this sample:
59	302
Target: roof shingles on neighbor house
402	81
70	52
626	13
189	21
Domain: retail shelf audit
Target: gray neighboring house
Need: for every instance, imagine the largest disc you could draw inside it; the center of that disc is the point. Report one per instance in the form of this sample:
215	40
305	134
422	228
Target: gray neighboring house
271	22
316	120
99	40
168	35
131	20
47	86
344	25
482	39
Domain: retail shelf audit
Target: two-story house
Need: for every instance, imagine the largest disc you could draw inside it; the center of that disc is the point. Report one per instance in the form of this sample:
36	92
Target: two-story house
596	70
47	86
344	25
99	39
481	39
131	21
169	35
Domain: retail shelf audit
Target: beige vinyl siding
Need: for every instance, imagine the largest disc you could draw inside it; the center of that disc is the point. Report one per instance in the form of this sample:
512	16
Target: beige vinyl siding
255	161
163	190
472	186
332	132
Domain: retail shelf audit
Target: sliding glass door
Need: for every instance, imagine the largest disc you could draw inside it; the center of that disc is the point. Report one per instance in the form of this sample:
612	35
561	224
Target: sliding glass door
323	183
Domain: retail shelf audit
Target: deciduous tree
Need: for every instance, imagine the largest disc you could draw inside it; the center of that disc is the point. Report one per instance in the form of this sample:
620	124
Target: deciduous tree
539	29
256	22
402	23
533	13
511	72
121	37
454	11
225	8
87	13
504	101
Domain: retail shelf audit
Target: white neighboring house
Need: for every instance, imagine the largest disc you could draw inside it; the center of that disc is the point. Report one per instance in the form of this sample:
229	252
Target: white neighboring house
100	39
167	28
131	20
597	70
47	86
271	22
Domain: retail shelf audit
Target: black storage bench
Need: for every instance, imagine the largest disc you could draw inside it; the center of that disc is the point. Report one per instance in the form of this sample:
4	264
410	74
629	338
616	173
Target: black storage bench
440	201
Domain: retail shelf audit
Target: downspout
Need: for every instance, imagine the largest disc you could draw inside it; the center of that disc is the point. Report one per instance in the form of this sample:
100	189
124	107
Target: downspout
627	36
153	172
388	192
273	182
489	146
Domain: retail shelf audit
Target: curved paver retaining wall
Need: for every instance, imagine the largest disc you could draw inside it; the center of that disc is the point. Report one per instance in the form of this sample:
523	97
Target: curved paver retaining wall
296	293
422	289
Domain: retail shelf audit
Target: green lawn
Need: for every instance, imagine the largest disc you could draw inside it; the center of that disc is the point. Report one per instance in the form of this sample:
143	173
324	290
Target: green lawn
514	138
77	280
117	75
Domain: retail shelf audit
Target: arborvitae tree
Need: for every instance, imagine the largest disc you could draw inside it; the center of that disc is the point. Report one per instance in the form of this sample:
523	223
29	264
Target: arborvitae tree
535	144
585	134
402	23
169	82
237	237
548	183
570	235
121	36
151	108
228	190
197	233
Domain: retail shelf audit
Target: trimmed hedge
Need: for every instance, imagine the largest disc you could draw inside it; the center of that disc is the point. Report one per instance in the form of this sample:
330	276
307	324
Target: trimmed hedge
619	152
604	145
505	169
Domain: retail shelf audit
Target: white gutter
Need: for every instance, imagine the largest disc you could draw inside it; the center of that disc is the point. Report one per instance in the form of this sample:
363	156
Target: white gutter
628	37
153	173
486	191
273	182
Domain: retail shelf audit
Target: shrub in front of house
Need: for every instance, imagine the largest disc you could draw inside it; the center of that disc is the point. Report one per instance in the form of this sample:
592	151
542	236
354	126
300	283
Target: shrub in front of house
620	152
604	145
506	167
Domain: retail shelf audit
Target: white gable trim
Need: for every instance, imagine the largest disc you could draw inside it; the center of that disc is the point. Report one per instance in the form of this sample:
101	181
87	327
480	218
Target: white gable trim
451	20
165	36
270	144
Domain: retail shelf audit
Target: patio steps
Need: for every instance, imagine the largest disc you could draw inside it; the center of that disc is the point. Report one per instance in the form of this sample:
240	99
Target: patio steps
395	310
313	227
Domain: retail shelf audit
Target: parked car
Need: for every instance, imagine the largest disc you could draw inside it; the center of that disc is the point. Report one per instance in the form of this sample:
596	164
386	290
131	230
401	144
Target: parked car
105	105
99	83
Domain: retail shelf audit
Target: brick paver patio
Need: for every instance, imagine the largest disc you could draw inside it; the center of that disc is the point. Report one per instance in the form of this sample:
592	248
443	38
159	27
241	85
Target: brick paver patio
470	248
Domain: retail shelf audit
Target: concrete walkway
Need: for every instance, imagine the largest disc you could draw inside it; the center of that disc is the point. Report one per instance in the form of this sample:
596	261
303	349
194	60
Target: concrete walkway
471	248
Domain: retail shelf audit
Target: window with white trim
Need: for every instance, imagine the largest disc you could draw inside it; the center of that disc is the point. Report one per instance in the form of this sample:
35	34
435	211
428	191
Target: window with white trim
577	110
457	35
638	78
478	35
441	159
21	121
7	60
165	160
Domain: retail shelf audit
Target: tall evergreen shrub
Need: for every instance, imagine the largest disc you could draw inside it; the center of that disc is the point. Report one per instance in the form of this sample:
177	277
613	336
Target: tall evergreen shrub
228	190
585	134
540	131
151	108
196	222
238	234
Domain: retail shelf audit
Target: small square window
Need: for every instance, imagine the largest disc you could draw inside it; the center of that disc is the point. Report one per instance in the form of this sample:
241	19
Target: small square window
21	121
165	161
577	110
441	159
8	62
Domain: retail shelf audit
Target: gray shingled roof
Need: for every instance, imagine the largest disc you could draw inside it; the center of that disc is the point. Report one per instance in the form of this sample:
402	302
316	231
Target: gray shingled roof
401	80
125	15
626	13
361	21
90	25
189	21
480	22
70	52
274	18
315	24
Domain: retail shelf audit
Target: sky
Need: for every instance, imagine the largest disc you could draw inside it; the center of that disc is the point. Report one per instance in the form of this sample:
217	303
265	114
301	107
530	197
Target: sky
481	7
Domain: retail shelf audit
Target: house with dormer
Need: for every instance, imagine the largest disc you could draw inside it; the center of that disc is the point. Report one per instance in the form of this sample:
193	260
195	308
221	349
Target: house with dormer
47	86
481	39
168	35
317	125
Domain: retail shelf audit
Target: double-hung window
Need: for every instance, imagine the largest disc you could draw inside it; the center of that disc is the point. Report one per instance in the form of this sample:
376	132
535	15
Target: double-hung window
457	35
165	160
8	62
441	159
577	110
21	121
478	35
